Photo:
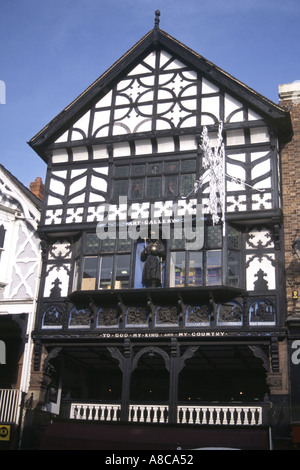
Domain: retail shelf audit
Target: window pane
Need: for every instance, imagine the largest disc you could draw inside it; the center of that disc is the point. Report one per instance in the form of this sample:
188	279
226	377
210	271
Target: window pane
195	269
89	273
91	243
178	243
106	269
137	189
155	168
214	236
177	269
153	187
138	170
172	167
124	244
187	184
213	265
233	238
171	183
233	268
120	188
122	272
122	171
108	245
188	165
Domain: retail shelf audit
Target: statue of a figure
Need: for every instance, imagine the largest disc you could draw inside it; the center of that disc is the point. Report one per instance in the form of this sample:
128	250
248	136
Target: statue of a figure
152	254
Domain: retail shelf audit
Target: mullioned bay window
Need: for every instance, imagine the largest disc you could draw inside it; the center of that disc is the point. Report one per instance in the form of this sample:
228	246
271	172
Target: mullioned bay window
117	263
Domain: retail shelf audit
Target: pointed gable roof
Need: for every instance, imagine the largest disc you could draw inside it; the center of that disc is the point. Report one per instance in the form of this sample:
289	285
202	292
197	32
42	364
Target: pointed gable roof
153	40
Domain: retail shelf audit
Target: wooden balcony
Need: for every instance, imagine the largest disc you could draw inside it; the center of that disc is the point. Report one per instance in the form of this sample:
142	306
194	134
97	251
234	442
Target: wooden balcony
208	414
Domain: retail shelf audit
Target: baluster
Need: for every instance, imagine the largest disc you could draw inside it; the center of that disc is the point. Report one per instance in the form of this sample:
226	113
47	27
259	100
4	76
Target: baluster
102	411
238	420
159	414
231	422
154	419
166	414
252	410
196	415
84	408
205	410
246	422
144	414
218	420
211	415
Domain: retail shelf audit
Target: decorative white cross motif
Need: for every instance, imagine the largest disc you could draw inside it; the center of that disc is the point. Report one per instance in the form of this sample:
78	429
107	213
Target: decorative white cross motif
139	211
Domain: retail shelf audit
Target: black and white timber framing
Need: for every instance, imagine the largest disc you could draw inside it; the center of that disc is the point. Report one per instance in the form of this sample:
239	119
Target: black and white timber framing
136	133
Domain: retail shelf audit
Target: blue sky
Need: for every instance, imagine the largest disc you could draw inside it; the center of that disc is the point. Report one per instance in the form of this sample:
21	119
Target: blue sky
52	51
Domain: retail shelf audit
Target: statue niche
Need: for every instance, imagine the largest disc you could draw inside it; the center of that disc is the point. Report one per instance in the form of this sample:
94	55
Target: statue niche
152	255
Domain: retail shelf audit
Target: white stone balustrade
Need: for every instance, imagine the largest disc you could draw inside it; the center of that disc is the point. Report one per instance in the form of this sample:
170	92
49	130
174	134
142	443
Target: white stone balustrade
225	415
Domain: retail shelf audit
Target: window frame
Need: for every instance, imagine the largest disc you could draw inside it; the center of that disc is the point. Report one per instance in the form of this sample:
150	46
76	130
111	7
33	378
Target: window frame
177	166
105	249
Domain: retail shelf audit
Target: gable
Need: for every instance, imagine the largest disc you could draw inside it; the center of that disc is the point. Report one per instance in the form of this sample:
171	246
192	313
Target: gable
160	94
14	197
159	85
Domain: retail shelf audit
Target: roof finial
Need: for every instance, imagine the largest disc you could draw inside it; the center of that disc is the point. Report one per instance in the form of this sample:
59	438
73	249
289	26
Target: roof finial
156	21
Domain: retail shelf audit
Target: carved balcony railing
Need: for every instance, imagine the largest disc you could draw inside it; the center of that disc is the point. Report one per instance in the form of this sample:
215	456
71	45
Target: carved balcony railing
233	414
133	311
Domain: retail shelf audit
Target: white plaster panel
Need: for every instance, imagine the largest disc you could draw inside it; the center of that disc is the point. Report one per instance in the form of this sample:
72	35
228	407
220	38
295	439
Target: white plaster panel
165	145
260	238
211	105
143	147
252	116
53	201
83	123
235	137
59	156
99	183
230	105
78	185
80	153
259	134
62	138
60	249
105	102
60	272
187	142
122	149
208	87
57	187
99	152
260	169
265	265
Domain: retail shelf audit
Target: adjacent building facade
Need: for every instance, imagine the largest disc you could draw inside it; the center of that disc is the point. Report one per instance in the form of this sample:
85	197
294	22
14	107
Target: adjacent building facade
20	265
162	296
289	99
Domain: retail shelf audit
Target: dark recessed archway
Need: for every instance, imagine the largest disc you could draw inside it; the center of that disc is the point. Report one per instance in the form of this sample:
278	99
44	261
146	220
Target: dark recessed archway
150	379
223	373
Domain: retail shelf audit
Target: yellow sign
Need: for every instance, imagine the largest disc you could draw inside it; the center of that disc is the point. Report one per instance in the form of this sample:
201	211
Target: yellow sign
4	432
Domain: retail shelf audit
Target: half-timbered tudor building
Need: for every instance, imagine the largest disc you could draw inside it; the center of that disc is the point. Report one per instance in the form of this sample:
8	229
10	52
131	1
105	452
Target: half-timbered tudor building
20	265
162	302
